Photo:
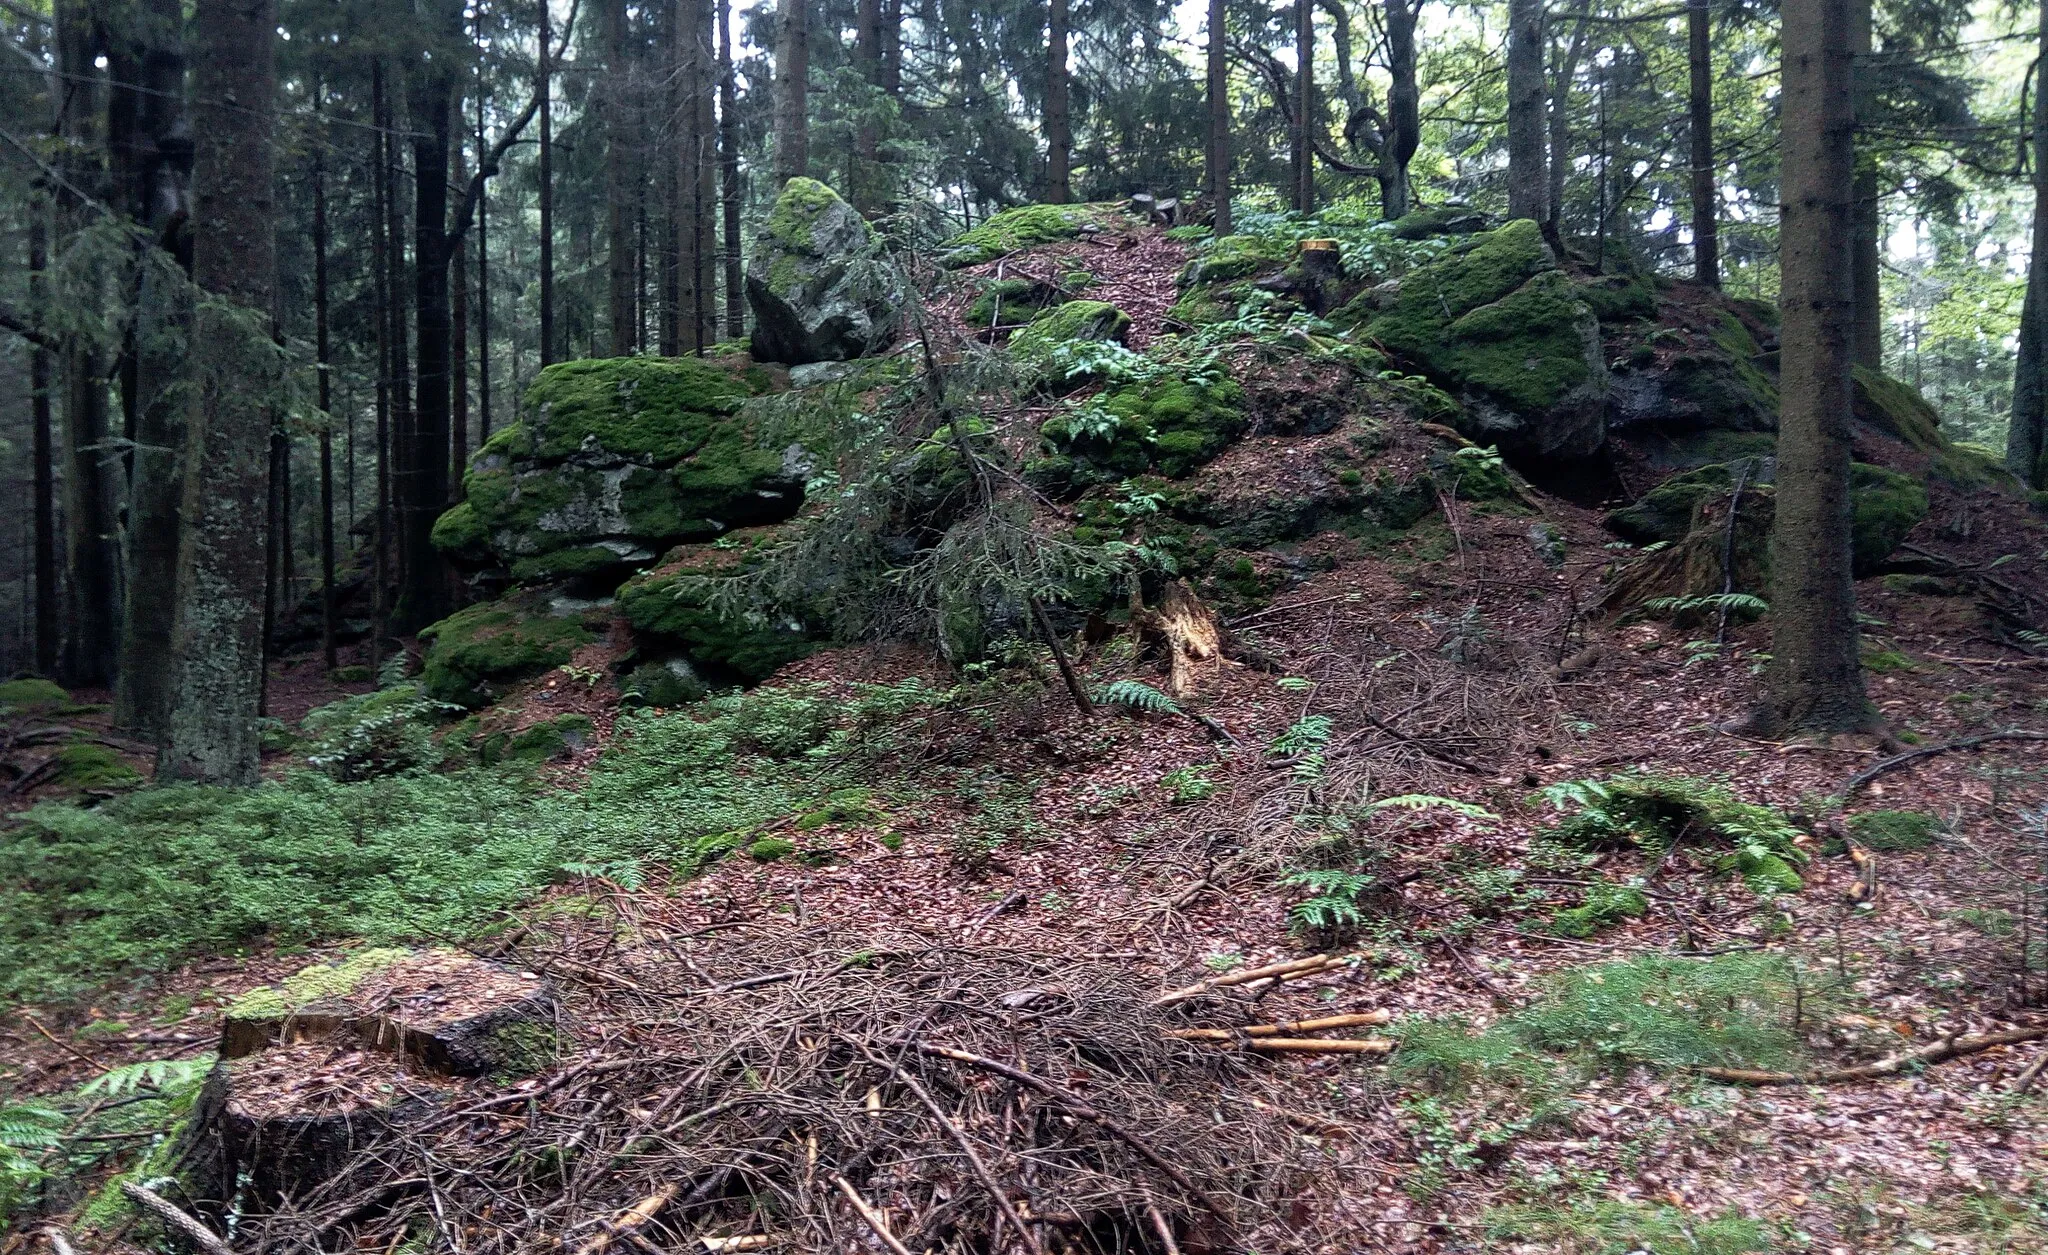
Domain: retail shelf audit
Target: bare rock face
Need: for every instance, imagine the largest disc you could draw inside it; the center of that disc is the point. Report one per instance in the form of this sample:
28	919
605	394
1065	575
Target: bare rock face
341	1059
818	292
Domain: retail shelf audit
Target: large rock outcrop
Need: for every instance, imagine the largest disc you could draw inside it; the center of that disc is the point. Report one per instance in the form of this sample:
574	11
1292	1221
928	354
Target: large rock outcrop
619	459
1501	327
819	288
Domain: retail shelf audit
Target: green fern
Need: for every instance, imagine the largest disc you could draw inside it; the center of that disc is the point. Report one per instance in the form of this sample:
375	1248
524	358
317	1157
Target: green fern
1655	812
1429	801
1136	695
1304	742
1333	906
1735	603
160	1074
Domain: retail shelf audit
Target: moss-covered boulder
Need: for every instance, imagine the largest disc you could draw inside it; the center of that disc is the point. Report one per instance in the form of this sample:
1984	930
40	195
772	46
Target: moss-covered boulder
1498	324
536	743
1234	257
618	459
475	655
819	288
1021	228
673	609
1007	302
1887	506
1421	224
1171	426
1679	381
1037	347
31	696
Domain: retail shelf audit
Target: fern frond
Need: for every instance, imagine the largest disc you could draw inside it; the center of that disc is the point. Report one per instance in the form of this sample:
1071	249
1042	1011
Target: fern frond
150	1073
1136	695
1429	801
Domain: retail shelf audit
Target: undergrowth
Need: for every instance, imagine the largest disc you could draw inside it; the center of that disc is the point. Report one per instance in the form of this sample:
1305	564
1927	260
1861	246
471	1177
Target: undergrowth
1659	813
152	878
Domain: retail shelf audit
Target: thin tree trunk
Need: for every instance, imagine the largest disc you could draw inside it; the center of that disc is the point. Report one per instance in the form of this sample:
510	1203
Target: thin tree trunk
1867	345
892	49
400	457
1304	167
792	74
670	174
1706	236
705	204
1059	134
323	366
729	164
425	457
213	731
458	338
545	174
483	293
619	164
1404	109
1815	679
1219	116
44	453
1528	174
2026	441
868	187
380	268
1561	129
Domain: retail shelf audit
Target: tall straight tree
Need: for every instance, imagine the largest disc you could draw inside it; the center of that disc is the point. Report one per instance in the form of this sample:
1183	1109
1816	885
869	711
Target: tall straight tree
423	448
621	179
1304	165
323	366
870	190
1706	234
213	730
544	174
1218	156
792	83
1059	130
730	192
1528	173
1867	340
1815	679
43	441
2026	440
456	264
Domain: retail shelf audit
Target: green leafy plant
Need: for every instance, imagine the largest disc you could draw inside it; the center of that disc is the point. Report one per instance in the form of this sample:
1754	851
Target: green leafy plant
1136	695
1332	908
28	1131
376	734
158	1074
1657	812
1185	785
1303	743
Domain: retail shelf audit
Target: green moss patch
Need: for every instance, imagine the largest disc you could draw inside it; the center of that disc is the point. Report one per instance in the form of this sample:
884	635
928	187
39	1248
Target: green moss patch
1168	425
321	982
1022	227
476	654
1606	905
674	603
796	209
537	743
660	409
88	766
1895	832
1234	257
1887	506
32	697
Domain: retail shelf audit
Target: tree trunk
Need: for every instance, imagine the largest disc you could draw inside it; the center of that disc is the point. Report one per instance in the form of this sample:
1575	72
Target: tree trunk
323	367
483	296
729	175
458	337
424	457
620	164
1706	236
1561	130
45	471
91	506
2026	441
869	189
705	205
1528	173
213	730
403	436
792	74
1815	680
545	174
1219	116
683	171
1404	109
1059	134
1867	347
380	271
1304	167
160	191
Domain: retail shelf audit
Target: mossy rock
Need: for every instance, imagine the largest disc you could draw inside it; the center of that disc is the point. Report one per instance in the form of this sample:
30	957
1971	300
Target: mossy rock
1897	409
32	697
1205	304
1499	325
674	605
662	685
83	765
1006	301
1665	512
1234	257
1887	506
1895	832
1035	347
619	459
1620	298
1423	224
1023	227
1171	426
476	654
819	289
542	742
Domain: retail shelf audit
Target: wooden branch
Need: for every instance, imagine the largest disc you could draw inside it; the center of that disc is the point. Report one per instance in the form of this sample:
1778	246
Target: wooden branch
2027	1078
177	1218
988	1180
1941	1052
1275	971
629	1221
1076	1106
488	167
1287	1029
876	1221
1305	1121
1321	1045
58	1242
1875	770
13	320
750	1242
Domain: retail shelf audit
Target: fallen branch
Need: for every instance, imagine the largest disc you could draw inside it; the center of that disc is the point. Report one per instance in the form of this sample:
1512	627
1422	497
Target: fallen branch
171	1214
1321	1045
1078	1107
629	1221
1016	898
2027	1078
988	1180
876	1221
58	1242
1877	769
1942	1051
1305	1121
1276	971
1288	1029
750	1242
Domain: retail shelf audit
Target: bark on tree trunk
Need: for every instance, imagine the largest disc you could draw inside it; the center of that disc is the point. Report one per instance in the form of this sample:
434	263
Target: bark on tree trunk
324	379
160	187
1561	129
1706	236
2026	441
399	454
1304	106
1059	135
483	295
683	171
1404	109
729	175
43	441
869	189
1867	347
458	338
1219	117
1528	173
619	167
792	74
424	457
380	270
1815	680
213	731
545	174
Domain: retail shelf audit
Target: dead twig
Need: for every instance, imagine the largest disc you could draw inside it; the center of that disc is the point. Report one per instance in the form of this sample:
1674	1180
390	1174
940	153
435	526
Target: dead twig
176	1217
1940	1052
1287	1029
1291	969
1877	769
876	1221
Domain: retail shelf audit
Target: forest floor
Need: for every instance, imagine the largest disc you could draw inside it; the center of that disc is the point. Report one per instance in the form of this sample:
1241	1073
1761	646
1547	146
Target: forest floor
1452	662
